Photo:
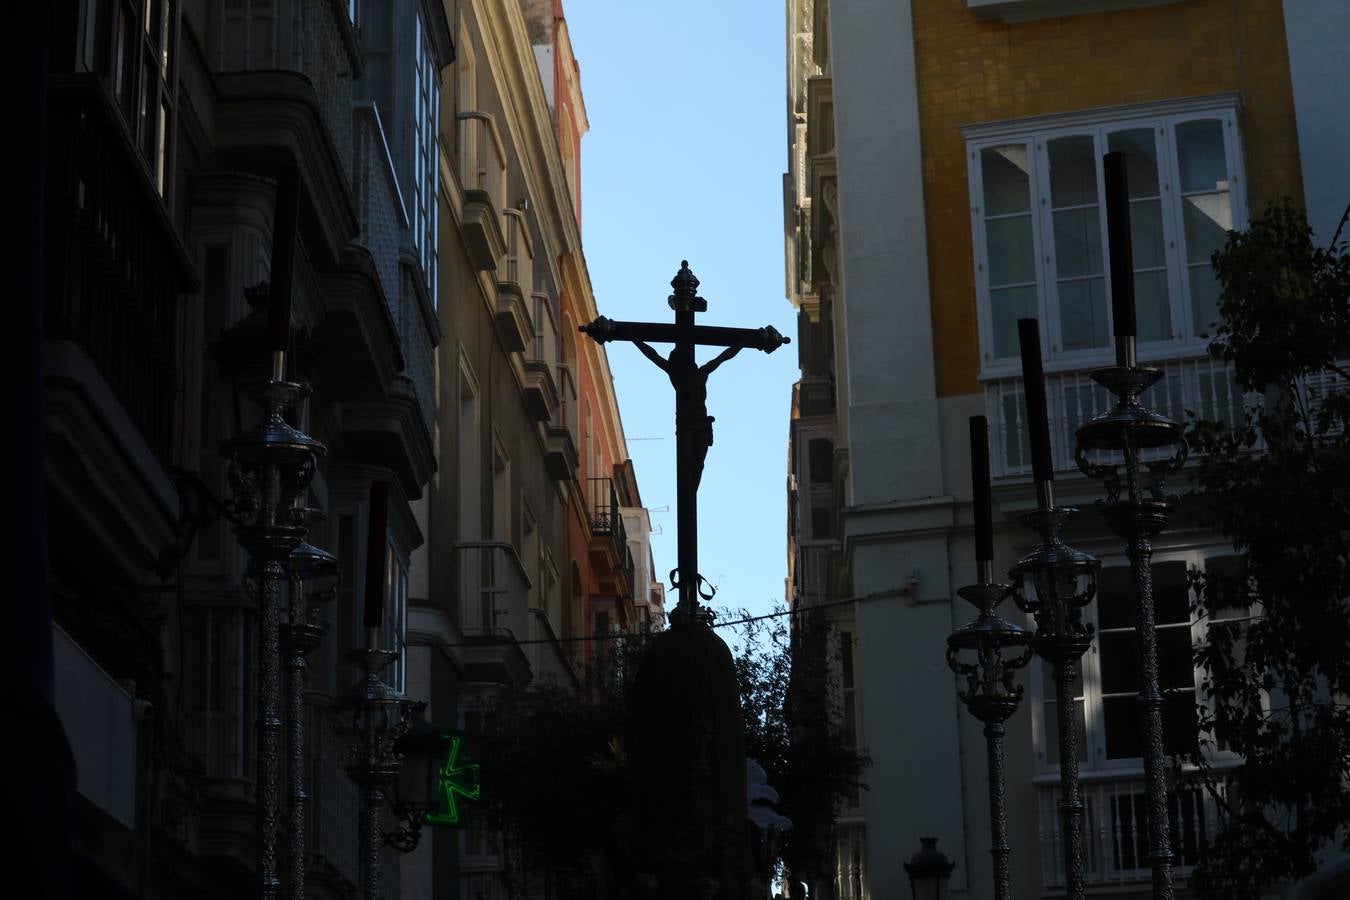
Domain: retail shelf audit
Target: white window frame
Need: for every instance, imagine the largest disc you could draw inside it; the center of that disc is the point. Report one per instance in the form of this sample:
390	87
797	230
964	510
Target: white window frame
426	157
1096	761
1162	117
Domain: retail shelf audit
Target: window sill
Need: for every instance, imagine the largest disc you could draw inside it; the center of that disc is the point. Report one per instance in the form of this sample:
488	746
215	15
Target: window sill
1087	361
1029	10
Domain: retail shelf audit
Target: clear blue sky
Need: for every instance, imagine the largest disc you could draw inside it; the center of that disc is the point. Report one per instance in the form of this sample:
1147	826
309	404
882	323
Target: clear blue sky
684	160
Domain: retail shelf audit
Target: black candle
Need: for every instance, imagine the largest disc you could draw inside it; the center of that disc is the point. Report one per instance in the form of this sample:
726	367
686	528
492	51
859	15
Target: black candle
284	225
1038	421
375	550
979	480
1118	245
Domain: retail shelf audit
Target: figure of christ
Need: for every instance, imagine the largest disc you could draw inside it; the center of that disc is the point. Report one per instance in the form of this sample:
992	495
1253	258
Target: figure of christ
690	381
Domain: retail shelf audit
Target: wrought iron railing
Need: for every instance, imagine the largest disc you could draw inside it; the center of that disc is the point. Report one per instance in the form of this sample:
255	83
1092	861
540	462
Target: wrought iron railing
604	512
565	415
1203	386
114	264
544	349
1115	833
519	250
493	589
482	157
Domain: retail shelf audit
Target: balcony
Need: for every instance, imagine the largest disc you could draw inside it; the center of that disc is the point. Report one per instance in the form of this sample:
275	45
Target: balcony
482	160
1202	386
541	361
1115	833
493	608
284	75
610	556
115	264
511	318
561	454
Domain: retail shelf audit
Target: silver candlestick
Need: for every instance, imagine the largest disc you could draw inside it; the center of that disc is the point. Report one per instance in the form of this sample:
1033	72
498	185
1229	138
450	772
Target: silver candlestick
379	717
303	632
270	466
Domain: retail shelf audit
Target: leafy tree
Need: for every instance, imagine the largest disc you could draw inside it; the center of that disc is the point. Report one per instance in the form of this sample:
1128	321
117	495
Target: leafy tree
1277	484
788	696
553	760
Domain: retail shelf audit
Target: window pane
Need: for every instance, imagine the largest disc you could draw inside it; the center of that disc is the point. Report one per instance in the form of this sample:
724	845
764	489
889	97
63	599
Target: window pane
1121	719
1175	668
1153	313
1171	596
1007	182
1052	732
1115	598
1083	314
1120	672
1078	243
1007	305
1141	160
1179	722
1073	171
1016	441
820	460
1208	219
1146	235
1200	156
1204	300
1012	255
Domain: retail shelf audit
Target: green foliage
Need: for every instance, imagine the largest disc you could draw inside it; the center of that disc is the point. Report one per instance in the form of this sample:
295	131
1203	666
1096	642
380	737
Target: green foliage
553	758
789	688
551	761
1277	484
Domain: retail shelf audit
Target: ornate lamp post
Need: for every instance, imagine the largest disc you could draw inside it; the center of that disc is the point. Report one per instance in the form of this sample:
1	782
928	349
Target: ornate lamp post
310	567
379	714
990	694
928	871
1053	583
270	465
1126	431
432	779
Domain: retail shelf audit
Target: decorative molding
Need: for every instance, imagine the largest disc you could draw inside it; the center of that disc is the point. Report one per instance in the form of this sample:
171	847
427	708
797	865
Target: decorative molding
1228	101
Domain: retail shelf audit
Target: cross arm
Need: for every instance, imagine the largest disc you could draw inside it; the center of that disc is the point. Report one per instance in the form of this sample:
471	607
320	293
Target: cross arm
604	329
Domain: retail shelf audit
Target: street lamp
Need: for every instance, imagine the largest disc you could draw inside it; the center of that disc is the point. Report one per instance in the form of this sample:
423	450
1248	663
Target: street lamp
928	871
1053	583
987	653
1123	433
417	791
270	466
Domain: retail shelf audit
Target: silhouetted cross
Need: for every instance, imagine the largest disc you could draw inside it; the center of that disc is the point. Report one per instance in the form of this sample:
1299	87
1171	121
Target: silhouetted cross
693	425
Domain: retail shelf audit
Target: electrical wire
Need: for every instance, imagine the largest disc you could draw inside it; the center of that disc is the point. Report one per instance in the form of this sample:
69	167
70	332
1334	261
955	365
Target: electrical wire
895	592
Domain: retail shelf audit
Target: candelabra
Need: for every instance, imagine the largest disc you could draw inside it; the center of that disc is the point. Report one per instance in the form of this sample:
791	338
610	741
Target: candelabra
303	632
992	697
270	466
990	694
379	717
1053	583
1109	446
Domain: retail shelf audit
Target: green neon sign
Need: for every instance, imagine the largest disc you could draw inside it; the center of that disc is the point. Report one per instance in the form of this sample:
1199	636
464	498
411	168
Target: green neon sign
454	779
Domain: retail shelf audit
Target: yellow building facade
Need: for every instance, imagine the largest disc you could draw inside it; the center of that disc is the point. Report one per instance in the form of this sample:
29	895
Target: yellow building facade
944	181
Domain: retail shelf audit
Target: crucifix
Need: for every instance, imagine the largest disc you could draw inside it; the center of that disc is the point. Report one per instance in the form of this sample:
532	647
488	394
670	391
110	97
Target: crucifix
693	425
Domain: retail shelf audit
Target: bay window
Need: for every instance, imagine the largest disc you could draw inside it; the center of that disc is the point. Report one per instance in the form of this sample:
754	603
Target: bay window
1110	725
1107	689
1039	227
